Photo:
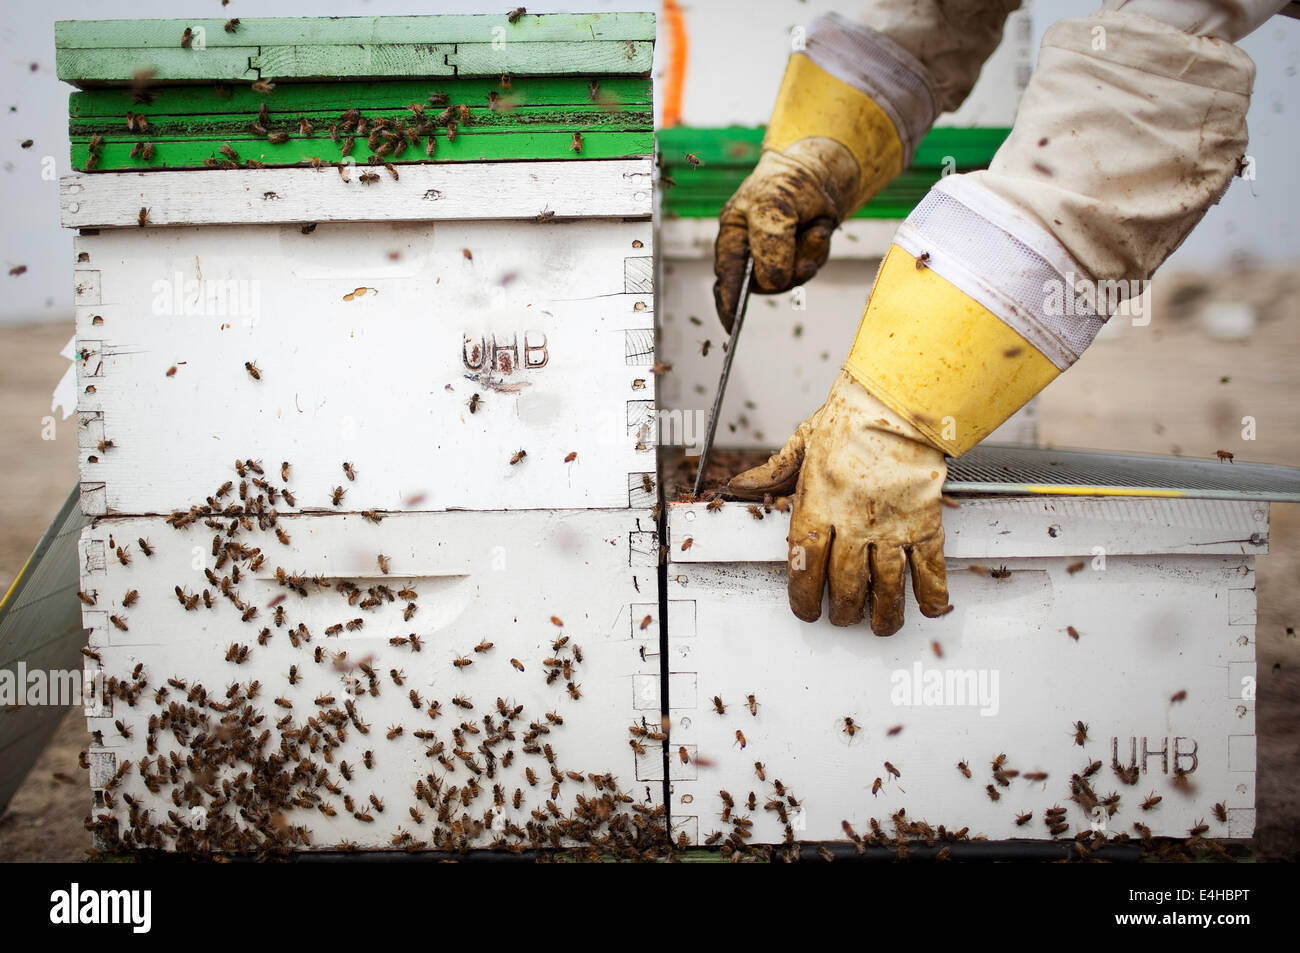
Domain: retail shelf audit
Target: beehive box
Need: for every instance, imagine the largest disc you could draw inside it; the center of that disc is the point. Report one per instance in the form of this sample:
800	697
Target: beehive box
1103	646
337	279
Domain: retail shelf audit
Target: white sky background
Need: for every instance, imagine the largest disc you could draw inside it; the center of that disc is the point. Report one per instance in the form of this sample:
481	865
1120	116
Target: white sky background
738	51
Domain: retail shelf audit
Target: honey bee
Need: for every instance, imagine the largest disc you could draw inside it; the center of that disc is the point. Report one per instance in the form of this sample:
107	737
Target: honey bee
130	598
518	455
714	504
383	563
397	676
576	144
337	495
519	666
752	704
1072	632
416	644
1221	812
368	178
1023	819
574	691
1035	776
282	536
1080	733
876	786
921	260
90	598
1223	455
1075	567
851	727
1151	801
123	730
1178	696
117	621
1201	827
123	556
514	15
894	730
368	759
462	662
964	768
460	701
740	738
993	792
289	497
755	511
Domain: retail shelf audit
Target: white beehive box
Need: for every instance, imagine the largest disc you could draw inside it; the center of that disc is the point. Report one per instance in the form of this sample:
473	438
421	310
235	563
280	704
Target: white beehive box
371	335
503	578
401	414
1160	592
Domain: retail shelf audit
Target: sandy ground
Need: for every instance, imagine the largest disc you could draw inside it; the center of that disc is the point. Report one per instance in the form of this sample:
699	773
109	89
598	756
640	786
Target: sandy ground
1156	389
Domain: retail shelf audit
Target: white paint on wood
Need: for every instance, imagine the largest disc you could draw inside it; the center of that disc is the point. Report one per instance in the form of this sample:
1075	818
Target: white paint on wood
1157	621
498	577
993	528
364	336
616	188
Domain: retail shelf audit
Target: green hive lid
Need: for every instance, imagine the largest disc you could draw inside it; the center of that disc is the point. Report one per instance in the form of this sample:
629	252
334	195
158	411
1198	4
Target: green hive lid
111	52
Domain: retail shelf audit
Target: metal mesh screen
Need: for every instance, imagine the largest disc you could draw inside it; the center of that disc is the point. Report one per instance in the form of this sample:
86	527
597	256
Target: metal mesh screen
998	469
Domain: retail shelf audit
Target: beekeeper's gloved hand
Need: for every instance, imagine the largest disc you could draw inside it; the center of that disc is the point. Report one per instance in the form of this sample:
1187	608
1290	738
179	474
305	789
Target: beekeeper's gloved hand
852	106
866	508
999	280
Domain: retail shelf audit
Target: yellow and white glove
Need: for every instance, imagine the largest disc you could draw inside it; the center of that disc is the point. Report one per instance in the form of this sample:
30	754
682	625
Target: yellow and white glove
998	281
852	106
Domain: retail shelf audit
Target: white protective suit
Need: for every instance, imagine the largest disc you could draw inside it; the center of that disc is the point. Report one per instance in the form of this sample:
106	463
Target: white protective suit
1132	125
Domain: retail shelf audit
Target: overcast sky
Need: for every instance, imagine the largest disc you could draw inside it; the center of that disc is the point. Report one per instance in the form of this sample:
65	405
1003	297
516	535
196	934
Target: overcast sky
738	50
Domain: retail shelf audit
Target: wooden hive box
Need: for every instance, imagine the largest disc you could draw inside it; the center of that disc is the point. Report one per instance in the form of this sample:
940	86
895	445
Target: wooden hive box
407	273
1132	616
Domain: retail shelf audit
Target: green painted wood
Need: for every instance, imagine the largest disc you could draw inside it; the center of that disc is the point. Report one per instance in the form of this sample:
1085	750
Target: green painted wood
482	119
292	99
326	31
727	155
384	59
479	146
189	124
485	59
175	65
112	51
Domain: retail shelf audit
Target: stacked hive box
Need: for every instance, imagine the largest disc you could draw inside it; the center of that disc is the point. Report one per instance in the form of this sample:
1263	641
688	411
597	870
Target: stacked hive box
1094	681
336	279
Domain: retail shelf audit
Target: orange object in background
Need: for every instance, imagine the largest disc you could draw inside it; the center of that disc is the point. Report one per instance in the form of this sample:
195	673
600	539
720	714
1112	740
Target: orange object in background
677	50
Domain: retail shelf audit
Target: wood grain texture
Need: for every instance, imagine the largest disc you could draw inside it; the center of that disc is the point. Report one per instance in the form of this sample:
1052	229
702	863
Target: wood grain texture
336	31
111	52
496	577
617	188
1150	625
382	377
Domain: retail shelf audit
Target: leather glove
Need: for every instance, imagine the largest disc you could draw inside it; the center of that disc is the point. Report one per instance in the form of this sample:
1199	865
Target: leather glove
866	507
783	215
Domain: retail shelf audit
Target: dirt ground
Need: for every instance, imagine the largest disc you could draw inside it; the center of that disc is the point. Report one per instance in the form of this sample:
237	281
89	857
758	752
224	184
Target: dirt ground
1165	388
